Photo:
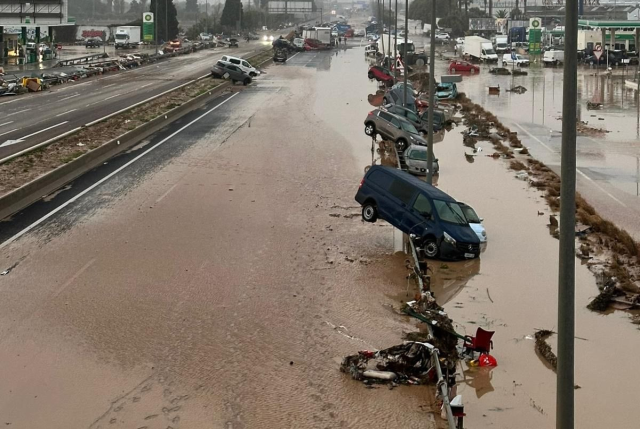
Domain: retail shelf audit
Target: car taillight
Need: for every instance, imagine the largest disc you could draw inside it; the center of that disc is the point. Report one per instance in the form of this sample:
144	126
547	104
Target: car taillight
361	183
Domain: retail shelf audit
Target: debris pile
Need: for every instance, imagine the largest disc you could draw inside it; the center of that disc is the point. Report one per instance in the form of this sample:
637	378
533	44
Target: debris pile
518	89
544	349
407	363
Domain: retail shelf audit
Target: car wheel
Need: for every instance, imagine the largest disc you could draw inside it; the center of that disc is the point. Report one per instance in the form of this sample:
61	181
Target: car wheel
370	130
252	74
370	75
431	249
369	212
402	144
453	69
385	101
419	62
246	82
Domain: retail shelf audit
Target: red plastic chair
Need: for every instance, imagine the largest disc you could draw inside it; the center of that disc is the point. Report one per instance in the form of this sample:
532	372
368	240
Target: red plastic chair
481	343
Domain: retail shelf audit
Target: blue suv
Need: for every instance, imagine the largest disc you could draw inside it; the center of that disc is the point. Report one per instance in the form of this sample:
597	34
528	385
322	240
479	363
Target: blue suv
415	207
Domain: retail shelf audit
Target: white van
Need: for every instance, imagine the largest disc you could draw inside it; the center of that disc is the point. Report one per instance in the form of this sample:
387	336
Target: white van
242	64
553	58
516	59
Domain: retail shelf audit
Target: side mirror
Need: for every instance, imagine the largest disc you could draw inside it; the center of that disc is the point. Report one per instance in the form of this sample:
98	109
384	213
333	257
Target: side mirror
481	219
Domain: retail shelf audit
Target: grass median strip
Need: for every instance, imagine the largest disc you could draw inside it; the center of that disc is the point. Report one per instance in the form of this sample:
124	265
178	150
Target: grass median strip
30	166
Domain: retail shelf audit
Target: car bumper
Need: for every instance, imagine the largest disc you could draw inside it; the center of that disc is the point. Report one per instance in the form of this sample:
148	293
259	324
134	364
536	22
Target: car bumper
449	251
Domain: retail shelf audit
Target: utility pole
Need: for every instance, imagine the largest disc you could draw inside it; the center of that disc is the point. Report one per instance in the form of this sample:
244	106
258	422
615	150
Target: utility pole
206	18
404	57
395	43
565	418
166	20
432	90
155	25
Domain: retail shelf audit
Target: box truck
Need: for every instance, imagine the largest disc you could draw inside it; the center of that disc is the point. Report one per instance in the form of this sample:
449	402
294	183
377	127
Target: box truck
127	37
479	49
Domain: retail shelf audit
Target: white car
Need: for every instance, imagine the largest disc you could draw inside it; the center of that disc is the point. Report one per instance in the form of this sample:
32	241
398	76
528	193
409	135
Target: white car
460	40
242	64
443	37
516	59
475	222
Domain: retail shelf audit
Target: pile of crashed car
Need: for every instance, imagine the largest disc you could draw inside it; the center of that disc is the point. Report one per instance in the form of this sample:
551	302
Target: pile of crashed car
439	225
235	69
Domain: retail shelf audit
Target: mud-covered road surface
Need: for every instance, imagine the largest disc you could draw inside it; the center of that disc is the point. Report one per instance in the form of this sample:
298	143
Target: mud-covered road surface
218	280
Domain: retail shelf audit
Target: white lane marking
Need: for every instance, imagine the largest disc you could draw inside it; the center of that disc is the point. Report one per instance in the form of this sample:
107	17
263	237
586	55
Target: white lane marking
166	193
80	84
92	104
113	96
536	139
144	86
42	131
71	96
73	277
6	123
600	187
68	111
109	176
8	102
107	86
9	132
15	113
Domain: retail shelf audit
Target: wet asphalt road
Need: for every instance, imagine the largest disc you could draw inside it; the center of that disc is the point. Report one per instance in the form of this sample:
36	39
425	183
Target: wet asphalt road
34	118
217	279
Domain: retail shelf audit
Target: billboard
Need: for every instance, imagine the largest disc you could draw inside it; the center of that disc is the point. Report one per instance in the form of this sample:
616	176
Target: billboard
148	33
277	7
35	13
482	24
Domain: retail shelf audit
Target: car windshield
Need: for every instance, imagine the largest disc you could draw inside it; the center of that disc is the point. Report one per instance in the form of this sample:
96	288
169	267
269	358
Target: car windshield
470	213
122	36
418	155
408	127
450	212
489	51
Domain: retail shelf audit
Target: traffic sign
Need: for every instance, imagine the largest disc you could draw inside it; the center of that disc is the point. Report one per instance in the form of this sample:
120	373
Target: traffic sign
597	51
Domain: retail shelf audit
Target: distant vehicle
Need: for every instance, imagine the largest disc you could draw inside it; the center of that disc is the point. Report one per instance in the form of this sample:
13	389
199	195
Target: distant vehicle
206	37
443	37
371	50
359	33
380	74
31	46
176	44
419	209
456	66
127	37
475	222
516	59
400	85
298	43
280	55
93	43
222	70
416	159
252	36
232	43
479	49
446	91
242	64
392	127
396	96
502	45
553	58
266	38
460	40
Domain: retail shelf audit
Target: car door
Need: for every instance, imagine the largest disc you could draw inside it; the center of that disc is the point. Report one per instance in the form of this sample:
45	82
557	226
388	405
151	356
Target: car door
394	128
384	124
401	195
418	216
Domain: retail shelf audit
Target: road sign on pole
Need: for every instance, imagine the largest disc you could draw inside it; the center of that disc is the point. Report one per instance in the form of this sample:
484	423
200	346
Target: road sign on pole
597	51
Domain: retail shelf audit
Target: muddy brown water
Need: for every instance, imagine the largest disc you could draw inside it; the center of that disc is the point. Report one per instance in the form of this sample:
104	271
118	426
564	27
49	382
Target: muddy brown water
223	287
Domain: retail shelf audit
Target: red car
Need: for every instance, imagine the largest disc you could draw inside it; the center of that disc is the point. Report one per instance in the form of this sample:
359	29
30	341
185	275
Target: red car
463	66
380	74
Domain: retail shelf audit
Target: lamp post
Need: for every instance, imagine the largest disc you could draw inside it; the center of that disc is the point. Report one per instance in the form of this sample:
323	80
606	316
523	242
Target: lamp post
432	90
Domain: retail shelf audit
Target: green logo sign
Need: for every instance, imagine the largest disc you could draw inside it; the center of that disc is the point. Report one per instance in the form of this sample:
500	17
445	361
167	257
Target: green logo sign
535	23
147	27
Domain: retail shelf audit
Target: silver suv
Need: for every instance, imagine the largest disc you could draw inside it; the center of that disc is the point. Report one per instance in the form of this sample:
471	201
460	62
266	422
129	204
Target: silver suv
392	127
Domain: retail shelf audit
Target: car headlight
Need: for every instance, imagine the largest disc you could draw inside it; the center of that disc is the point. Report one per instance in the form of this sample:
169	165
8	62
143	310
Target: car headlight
449	239
484	233
271	38
265	38
412	138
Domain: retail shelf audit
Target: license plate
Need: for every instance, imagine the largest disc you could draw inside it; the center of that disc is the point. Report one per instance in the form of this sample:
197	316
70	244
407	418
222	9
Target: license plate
469	255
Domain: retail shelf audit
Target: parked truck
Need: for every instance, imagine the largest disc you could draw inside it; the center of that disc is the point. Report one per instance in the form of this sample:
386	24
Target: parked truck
413	57
127	37
479	49
323	35
502	44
